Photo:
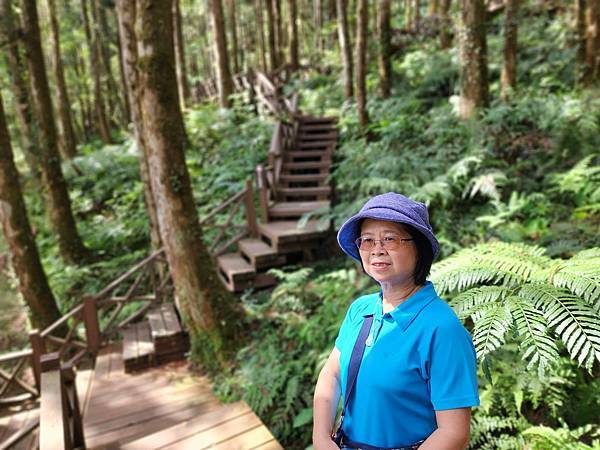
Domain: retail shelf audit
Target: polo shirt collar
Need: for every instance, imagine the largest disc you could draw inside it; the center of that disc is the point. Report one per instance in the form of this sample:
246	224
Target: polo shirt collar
408	310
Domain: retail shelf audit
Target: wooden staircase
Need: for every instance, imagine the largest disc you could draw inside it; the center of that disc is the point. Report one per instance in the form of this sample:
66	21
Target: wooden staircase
295	183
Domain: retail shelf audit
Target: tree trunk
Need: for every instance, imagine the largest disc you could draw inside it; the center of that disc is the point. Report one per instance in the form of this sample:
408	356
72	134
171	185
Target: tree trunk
96	71
433	8
209	311
273	63
417	19
28	127
509	68
592	38
123	80
234	37
318	15
293	34
126	15
260	30
408	15
223	73
580	36
385	48
33	284
55	188
182	83
279	46
68	146
473	59
345	47
445	25
362	20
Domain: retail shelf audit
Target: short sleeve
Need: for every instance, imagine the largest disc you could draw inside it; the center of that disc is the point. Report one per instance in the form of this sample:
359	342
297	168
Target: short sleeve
453	368
342	337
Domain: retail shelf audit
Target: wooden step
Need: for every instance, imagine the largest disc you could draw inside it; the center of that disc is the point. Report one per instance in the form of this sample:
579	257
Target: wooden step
321	144
170	341
309	154
302	191
307	165
316	120
317	127
280	233
296	209
259	254
138	348
236	273
330	136
293	178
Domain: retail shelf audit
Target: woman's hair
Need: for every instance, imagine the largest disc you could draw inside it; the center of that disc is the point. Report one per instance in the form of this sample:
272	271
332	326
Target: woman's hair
424	254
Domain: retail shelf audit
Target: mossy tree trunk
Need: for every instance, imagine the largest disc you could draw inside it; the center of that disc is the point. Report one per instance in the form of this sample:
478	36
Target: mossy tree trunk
182	83
509	67
271	36
234	37
445	24
473	58
209	310
293	34
362	21
345	46
126	15
384	60
580	38
68	144
592	42
33	284
58	205
18	82
223	73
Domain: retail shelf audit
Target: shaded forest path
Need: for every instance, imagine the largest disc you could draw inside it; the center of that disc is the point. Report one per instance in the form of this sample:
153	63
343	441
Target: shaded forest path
90	379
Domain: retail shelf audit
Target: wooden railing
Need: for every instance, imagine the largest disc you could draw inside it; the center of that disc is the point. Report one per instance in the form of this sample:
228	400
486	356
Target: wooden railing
61	426
246	198
17	378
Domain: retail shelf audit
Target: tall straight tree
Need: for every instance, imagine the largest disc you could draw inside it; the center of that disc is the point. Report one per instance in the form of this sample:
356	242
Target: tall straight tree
271	31
18	82
260	31
592	42
384	59
58	204
580	35
509	67
445	24
68	145
293	34
473	59
126	25
209	310
362	22
234	36
33	284
345	46
223	72
182	83
95	68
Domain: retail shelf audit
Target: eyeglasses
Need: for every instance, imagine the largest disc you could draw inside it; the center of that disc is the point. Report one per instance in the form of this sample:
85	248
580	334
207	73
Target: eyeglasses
388	242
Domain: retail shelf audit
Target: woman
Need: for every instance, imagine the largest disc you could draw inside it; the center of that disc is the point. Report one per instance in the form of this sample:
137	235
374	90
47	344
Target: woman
417	378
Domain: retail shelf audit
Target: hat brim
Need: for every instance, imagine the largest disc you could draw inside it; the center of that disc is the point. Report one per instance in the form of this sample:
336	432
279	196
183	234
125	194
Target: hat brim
350	230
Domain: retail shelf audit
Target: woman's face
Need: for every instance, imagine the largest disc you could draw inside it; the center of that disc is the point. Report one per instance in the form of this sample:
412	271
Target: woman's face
393	265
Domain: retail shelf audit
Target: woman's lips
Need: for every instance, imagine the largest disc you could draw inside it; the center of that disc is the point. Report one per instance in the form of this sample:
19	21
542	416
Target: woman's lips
380	265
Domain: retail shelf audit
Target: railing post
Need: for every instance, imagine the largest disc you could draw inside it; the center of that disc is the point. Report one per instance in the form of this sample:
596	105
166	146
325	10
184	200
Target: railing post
54	426
250	211
92	328
38	348
262	193
68	377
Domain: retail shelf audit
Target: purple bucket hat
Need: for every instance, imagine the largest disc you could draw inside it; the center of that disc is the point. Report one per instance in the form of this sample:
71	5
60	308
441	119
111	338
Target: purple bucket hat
393	208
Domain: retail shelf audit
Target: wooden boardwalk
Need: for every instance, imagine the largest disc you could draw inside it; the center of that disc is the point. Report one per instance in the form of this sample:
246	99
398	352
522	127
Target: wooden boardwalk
162	408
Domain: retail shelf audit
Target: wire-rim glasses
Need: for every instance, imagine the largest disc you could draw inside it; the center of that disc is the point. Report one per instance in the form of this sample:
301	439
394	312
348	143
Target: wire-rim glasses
388	242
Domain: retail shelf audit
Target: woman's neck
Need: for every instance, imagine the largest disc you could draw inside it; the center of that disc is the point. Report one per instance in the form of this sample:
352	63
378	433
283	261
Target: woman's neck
394	295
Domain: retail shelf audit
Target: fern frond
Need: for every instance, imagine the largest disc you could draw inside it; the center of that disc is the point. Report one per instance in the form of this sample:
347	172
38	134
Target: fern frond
465	302
490	329
589	253
531	324
575	322
581	276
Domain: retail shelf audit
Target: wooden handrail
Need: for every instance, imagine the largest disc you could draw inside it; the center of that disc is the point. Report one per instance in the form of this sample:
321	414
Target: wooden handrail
60	417
62	320
221	207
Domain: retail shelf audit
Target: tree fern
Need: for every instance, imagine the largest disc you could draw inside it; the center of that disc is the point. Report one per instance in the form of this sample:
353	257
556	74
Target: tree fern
504	287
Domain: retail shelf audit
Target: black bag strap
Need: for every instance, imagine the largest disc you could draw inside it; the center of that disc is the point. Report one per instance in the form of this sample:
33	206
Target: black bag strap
355	359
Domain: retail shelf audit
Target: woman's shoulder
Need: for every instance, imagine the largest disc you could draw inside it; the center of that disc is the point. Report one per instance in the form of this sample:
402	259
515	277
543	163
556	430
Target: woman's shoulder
363	305
441	315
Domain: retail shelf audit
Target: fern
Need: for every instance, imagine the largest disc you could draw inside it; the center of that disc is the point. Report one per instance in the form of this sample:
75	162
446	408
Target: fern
504	286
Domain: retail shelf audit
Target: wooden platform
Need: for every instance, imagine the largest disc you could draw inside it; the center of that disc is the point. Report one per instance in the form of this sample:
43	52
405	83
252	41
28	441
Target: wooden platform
162	408
11	424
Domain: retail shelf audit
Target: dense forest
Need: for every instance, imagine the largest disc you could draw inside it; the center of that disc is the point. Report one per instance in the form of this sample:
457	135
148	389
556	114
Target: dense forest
124	124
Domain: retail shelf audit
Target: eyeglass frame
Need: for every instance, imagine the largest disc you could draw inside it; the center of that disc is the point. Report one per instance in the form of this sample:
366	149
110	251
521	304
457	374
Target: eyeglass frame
400	240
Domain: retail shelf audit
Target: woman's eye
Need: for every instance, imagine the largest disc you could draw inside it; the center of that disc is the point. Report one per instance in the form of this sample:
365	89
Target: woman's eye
389	239
367	241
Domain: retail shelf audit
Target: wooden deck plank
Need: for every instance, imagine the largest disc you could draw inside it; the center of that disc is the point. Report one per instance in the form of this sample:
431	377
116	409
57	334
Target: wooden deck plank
30	441
247	440
269	445
286	231
132	404
83	384
208	438
188	427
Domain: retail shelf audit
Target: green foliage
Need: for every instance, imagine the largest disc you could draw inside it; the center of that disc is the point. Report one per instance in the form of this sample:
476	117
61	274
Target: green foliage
504	287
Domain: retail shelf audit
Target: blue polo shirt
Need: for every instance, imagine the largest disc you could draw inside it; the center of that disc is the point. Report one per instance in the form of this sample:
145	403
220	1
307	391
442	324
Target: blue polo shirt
420	359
